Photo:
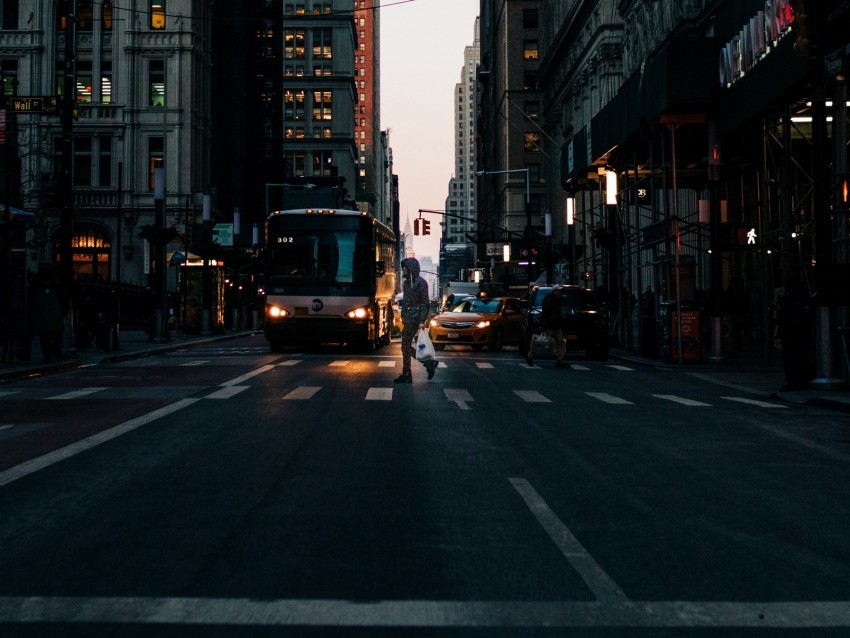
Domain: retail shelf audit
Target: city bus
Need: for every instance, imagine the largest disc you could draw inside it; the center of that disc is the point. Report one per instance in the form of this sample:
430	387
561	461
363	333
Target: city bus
330	277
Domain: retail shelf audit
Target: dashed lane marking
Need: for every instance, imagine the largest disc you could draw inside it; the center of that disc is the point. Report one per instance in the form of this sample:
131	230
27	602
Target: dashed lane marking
76	394
290	362
248	375
8	393
379	394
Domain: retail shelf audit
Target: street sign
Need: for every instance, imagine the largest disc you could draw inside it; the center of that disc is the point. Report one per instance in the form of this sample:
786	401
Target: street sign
223	234
48	105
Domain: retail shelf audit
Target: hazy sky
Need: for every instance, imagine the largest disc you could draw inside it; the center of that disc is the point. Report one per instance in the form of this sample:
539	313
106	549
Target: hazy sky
422	44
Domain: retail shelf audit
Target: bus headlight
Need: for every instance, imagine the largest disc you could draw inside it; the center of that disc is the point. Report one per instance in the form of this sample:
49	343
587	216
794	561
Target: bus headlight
276	312
357	313
482	324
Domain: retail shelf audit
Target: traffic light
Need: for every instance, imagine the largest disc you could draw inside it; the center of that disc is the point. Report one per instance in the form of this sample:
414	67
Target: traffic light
426	227
415	226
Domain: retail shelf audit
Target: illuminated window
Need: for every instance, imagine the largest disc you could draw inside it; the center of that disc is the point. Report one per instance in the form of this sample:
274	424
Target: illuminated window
83	80
157	14
84	15
322	105
530	50
293	44
156	78
322	44
106	16
531	142
155	155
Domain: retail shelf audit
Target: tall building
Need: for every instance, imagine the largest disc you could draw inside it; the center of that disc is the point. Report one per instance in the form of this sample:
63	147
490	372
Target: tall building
460	220
367	126
139	91
511	157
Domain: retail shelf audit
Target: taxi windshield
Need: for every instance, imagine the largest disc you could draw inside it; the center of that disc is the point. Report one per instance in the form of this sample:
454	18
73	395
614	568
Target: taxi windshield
479	305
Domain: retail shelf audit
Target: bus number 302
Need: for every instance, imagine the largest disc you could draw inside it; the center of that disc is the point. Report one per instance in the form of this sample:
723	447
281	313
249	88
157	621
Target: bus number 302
286	240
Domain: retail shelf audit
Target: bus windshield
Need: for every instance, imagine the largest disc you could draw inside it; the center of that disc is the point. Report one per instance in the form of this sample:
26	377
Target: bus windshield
314	254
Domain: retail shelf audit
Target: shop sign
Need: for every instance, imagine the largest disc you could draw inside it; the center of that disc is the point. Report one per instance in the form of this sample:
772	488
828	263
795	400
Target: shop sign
756	39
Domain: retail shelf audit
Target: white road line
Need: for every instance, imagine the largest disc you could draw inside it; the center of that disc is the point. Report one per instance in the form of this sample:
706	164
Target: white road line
304	612
622	368
8	393
484	365
302	393
531	396
578	366
379	394
593	575
227	392
461	397
761	404
339	364
290	362
76	394
248	375
46	460
6	427
194	363
608	398
682	400
386	364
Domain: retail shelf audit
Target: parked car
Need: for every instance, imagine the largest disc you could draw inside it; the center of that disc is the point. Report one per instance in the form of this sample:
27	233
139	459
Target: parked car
584	320
479	321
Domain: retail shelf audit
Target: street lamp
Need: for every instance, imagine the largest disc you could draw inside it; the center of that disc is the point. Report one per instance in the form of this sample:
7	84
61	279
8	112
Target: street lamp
527	208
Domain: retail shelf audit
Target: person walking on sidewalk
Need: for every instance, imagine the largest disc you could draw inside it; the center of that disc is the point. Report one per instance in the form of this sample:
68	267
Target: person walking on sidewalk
415	308
550	321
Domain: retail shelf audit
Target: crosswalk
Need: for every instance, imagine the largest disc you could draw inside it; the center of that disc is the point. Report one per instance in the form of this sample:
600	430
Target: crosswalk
384	391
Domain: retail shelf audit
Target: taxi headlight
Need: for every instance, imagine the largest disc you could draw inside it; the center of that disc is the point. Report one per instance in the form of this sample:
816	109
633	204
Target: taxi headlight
434	323
276	312
482	324
357	313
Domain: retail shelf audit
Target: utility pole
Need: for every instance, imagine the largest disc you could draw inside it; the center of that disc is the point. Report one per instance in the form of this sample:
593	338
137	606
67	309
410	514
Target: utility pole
66	220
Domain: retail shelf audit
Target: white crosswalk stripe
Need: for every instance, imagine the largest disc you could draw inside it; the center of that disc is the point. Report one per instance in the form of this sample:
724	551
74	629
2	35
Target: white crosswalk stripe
302	393
386	364
339	364
483	365
621	368
290	362
379	394
609	398
531	396
681	400
761	404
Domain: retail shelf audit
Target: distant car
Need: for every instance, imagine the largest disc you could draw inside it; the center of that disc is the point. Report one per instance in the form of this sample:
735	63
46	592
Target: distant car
584	320
479	321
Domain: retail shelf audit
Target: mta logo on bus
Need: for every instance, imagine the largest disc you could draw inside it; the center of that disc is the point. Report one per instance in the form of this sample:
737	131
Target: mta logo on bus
317	305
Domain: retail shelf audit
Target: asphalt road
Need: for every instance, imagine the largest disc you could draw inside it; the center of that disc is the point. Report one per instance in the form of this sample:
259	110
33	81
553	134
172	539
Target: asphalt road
223	490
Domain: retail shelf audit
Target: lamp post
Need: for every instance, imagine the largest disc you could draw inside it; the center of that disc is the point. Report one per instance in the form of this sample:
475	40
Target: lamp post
527	208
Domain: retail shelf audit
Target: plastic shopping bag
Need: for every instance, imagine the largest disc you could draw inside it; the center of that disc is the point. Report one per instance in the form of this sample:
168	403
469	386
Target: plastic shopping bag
424	347
541	345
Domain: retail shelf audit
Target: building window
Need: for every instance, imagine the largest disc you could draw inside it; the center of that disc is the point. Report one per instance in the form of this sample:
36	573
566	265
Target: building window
533	172
293	105
84	82
529	19
322	164
322	105
104	160
531	142
155	155
157	14
82	160
156	76
530	50
322	44
84	15
293	44
532	110
9	19
106	16
9	76
529	80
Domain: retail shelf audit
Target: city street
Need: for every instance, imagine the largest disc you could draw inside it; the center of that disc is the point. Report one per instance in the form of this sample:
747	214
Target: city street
222	490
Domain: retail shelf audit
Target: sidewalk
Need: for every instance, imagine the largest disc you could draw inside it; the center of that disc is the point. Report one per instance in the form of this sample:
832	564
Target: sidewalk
748	372
132	344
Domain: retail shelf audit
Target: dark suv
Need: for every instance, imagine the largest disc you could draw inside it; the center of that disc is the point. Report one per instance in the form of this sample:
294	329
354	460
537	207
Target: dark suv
584	320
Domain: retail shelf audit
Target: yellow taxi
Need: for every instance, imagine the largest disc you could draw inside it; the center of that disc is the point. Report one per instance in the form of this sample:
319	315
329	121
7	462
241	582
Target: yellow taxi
478	321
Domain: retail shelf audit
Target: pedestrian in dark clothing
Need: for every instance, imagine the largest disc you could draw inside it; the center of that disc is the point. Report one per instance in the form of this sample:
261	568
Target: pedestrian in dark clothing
793	321
415	308
48	318
550	321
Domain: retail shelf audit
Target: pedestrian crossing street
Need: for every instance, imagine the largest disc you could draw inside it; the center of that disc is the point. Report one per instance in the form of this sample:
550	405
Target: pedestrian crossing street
385	390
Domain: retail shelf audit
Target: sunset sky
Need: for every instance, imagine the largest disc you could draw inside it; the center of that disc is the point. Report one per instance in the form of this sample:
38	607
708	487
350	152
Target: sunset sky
422	44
